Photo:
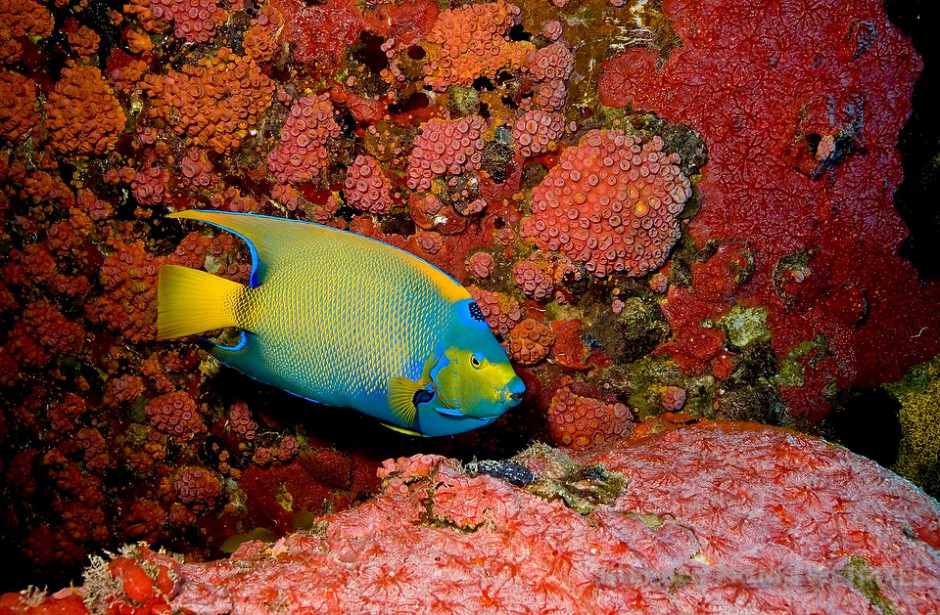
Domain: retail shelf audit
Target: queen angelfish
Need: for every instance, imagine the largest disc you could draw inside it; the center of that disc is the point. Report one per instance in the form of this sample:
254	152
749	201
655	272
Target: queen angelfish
347	321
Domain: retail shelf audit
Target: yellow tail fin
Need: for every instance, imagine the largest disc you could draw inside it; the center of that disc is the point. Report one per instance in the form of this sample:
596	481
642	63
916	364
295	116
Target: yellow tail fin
190	301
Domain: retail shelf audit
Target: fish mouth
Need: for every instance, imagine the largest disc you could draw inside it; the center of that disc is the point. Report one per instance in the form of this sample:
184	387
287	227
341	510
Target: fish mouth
514	391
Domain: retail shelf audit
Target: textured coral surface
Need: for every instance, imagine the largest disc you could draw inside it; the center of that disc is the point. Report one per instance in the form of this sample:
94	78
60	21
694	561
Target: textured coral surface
756	521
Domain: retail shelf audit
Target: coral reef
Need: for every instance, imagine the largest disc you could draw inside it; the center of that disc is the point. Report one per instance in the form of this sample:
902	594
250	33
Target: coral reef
718	241
760	520
795	200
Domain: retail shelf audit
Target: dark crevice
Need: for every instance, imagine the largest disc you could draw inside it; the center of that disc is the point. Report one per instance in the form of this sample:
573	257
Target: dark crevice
919	142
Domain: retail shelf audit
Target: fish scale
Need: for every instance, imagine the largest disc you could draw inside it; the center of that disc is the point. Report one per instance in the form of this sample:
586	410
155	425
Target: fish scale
330	348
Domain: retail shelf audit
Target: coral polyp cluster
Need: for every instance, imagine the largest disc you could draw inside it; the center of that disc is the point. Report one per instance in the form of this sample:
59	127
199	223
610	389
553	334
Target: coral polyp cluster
20	111
551	67
536	132
445	147
214	102
367	188
579	422
301	154
472	42
193	20
612	203
20	19
82	115
530	342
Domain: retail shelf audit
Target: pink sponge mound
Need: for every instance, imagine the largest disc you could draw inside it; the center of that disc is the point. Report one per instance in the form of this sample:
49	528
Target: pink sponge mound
733	518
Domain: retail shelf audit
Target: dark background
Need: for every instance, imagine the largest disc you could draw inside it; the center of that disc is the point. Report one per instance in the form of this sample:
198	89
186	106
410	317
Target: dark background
918	199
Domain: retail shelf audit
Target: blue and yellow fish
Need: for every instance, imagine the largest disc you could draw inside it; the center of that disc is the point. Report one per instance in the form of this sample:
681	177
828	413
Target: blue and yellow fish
348	321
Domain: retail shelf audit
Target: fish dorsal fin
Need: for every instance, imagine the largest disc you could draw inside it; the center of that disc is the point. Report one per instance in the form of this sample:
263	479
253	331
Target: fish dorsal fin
268	238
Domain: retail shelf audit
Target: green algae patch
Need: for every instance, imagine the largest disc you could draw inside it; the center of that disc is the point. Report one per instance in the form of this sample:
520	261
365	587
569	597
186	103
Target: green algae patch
859	574
745	325
647	378
919	450
634	333
791	368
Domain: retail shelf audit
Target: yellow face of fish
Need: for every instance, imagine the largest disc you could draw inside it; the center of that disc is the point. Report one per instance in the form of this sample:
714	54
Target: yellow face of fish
477	383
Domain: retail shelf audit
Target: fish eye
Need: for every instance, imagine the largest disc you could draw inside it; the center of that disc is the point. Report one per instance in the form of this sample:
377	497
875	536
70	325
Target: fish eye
474	361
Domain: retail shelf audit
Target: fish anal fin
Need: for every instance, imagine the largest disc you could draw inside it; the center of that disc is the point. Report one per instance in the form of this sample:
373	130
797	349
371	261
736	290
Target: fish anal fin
407	432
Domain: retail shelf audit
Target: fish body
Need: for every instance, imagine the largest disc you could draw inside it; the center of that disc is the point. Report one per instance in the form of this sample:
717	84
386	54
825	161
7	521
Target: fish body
347	321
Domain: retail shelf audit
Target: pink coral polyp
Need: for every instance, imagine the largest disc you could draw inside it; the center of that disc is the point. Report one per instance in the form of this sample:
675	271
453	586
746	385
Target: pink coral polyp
367	188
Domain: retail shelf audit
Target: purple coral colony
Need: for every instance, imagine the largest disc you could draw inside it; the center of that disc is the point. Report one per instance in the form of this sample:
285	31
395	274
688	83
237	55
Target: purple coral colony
676	215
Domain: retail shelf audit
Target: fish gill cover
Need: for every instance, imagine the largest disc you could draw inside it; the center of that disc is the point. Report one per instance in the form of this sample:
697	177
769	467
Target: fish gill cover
659	207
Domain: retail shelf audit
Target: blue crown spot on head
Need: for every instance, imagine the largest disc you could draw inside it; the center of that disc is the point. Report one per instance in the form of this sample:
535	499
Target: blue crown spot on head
471	315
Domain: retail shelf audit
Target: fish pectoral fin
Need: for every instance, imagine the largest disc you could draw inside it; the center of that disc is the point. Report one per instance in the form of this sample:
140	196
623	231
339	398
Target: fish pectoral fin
407	432
403	397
